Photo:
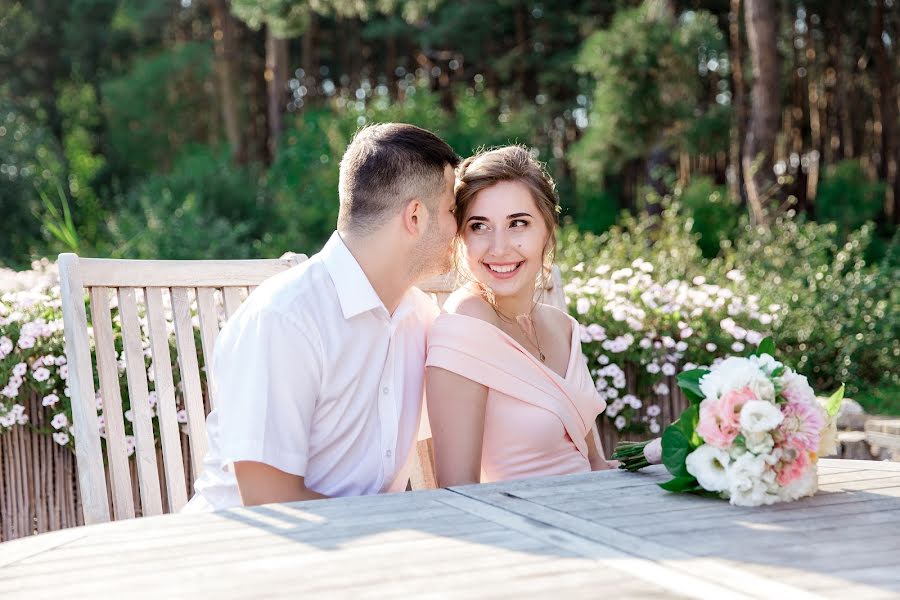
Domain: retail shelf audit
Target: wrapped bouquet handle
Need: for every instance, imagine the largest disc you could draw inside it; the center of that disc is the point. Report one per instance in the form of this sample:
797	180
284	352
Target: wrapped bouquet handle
752	433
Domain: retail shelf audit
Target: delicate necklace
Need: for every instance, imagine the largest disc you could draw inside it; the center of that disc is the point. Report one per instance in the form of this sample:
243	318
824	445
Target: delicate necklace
537	342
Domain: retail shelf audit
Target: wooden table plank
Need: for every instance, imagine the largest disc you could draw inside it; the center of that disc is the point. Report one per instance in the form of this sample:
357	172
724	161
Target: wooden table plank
860	504
611	533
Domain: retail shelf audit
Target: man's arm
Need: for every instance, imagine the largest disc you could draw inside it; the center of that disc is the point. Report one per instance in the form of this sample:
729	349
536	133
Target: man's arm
260	483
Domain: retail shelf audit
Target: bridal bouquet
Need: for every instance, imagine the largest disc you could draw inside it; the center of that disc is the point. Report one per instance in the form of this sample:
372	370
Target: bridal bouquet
752	433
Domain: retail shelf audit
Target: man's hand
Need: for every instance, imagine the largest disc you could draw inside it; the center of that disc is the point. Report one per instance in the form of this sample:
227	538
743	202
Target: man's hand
260	483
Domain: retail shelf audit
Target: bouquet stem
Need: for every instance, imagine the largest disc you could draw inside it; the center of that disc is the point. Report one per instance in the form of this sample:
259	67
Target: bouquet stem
634	456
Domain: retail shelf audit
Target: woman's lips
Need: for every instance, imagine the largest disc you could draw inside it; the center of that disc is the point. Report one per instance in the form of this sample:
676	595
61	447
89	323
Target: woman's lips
503	270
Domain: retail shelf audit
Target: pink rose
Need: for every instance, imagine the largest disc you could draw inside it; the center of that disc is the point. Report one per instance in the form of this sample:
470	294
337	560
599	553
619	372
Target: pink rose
720	420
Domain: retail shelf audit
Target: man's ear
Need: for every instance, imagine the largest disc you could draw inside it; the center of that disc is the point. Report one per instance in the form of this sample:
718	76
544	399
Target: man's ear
415	217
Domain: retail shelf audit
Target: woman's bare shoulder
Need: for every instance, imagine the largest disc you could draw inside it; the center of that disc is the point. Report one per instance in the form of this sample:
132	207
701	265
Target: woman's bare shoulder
470	304
556	318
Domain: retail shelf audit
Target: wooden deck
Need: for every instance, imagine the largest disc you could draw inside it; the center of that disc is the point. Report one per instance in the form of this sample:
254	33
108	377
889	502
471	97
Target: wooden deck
599	535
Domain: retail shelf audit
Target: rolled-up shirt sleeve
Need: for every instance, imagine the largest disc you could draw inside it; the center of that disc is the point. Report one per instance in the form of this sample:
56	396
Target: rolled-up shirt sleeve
267	377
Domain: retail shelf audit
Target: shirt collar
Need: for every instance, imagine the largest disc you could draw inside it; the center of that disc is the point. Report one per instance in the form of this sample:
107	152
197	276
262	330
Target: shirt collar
354	290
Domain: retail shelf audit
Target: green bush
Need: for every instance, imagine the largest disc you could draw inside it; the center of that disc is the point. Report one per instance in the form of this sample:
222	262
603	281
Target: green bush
848	197
714	215
204	208
834	316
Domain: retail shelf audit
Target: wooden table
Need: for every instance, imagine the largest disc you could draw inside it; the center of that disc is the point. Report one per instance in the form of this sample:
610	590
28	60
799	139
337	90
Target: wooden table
598	535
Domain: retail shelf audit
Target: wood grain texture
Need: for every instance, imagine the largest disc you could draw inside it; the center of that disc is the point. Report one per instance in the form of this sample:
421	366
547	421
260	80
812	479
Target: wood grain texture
494	540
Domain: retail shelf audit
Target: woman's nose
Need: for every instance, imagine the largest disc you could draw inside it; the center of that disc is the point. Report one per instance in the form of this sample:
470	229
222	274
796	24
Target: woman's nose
498	241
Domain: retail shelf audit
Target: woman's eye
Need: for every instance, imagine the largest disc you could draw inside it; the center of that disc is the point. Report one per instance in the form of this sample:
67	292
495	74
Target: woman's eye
518	223
478	227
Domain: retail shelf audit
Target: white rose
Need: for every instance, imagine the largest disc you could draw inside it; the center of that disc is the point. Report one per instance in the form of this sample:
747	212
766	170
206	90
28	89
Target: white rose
759	416
710	466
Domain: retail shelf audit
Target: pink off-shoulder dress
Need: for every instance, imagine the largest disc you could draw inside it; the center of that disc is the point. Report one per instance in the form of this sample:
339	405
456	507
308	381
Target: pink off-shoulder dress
535	421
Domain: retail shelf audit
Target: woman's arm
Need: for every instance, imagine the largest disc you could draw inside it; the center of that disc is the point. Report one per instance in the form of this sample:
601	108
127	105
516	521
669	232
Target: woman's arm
456	407
595	453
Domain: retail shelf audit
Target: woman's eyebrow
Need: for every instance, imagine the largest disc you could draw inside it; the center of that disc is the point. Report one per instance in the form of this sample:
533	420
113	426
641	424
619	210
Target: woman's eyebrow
476	218
517	215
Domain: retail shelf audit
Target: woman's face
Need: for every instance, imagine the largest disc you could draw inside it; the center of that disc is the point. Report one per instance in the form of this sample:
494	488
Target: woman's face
505	235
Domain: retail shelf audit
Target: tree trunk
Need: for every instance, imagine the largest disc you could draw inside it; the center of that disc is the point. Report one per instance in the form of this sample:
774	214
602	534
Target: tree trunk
739	123
227	66
276	87
765	105
887	107
310	57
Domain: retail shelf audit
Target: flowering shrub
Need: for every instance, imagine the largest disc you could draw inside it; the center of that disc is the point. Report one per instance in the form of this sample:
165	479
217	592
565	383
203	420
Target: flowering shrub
660	327
33	360
651	305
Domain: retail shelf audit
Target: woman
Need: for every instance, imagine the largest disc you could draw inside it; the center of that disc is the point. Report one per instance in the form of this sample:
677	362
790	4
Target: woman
509	394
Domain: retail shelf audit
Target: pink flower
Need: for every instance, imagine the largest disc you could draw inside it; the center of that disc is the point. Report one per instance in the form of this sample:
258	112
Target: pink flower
802	425
720	420
794	462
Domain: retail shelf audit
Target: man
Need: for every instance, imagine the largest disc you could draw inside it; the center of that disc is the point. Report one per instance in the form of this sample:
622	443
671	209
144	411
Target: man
319	375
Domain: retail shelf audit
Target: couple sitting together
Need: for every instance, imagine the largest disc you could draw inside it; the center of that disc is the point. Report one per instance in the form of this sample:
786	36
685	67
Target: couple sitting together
319	376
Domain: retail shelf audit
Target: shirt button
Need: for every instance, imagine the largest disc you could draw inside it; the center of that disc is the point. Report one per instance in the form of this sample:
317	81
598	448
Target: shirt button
384	390
388	453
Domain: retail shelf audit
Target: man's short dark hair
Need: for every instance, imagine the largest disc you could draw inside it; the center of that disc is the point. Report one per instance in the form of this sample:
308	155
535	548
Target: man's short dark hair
385	166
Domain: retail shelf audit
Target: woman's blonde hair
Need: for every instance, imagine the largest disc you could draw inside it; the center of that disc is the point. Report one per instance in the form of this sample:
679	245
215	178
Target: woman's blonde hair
489	167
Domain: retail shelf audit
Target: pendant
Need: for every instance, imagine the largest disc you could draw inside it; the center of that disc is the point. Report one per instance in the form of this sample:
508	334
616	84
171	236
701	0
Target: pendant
543	358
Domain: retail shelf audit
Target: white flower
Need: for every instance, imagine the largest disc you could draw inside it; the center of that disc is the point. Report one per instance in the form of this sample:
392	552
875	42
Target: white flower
603	359
735	373
20	369
61	438
653	368
50	400
129	416
760	442
41	374
610	393
710	347
681	346
710	466
181	416
766	363
645	343
582	305
668	369
64	372
754	338
661	389
620	422
654	426
129	444
26	342
59	421
686	333
747	481
653	410
759	416
734	275
737	347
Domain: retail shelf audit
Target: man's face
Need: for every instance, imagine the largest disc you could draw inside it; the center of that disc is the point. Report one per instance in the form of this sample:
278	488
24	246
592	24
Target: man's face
434	249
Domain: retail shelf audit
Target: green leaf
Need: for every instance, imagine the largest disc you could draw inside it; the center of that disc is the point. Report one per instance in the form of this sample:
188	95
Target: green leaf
675	448
833	404
767	346
681	483
689	382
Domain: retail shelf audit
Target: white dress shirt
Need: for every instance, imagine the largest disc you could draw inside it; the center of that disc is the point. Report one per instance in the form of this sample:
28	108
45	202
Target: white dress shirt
314	377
